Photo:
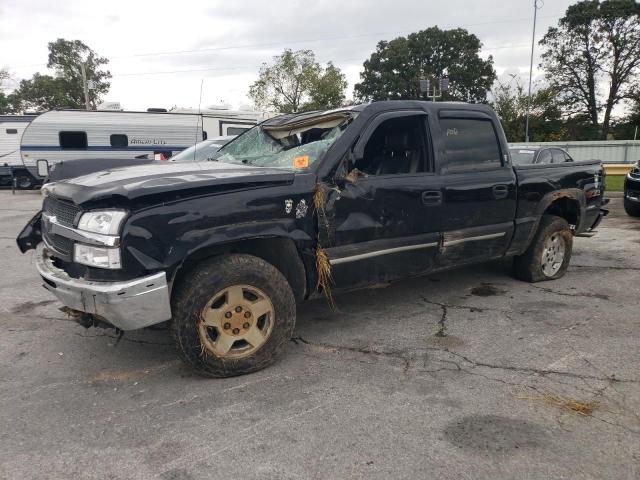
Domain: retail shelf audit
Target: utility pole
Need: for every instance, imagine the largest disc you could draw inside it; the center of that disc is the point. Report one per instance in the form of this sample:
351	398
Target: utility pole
83	70
533	43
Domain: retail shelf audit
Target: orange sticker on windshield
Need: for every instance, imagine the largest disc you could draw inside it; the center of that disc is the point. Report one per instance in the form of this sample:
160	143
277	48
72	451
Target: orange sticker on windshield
301	162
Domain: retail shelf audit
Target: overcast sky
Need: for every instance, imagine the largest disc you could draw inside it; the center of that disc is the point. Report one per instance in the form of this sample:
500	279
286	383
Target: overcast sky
160	51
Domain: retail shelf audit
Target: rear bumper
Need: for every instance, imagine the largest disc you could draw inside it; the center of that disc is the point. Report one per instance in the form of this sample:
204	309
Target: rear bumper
601	214
127	305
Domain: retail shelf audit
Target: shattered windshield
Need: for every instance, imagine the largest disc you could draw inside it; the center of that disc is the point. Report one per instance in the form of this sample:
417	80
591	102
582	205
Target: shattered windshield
296	145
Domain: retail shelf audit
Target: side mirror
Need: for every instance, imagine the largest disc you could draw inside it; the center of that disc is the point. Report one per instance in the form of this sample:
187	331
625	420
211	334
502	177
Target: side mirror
42	167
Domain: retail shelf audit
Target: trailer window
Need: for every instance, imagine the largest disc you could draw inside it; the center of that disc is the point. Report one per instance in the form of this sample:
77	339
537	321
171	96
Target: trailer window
236	130
119	141
73	140
12	131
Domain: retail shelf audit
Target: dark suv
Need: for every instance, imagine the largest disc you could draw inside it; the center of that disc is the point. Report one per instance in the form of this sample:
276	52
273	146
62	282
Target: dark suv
632	191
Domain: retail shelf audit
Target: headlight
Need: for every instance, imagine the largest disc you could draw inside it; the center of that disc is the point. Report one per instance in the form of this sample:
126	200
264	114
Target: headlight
100	257
106	222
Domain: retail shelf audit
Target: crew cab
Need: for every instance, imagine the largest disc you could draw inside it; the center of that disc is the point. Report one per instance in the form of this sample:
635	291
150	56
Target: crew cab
302	205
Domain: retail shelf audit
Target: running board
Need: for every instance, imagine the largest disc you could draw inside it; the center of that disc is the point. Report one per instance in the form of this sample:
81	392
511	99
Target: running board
586	234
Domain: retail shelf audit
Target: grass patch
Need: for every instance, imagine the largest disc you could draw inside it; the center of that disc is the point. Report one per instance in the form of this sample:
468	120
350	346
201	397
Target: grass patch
614	183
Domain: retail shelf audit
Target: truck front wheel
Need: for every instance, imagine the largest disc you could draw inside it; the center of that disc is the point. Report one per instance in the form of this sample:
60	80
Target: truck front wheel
548	256
232	315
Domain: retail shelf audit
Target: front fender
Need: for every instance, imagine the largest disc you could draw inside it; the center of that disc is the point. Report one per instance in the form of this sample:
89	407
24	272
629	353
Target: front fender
167	248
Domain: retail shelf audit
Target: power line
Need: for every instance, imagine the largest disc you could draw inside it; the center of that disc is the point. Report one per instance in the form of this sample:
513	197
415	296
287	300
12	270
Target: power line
243	67
294	41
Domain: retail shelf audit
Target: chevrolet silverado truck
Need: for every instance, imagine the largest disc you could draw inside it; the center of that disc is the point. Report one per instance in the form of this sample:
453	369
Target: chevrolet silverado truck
299	206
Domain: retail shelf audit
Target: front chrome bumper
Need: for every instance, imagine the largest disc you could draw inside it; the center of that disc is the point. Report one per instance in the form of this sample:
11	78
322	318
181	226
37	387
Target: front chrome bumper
127	305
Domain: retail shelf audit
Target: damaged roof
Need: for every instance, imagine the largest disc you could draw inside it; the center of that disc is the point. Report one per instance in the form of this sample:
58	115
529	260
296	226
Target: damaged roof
296	120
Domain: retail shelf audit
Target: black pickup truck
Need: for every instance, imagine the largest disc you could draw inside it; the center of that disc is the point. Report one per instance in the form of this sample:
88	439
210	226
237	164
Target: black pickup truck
303	205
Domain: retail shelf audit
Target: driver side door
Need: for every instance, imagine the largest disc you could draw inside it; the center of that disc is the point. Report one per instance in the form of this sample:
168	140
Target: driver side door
385	222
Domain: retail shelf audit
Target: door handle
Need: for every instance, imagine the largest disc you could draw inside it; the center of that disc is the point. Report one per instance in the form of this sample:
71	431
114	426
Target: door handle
432	197
500	191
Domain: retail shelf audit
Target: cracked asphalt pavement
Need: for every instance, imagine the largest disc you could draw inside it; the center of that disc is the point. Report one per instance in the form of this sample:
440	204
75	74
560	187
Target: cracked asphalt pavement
467	374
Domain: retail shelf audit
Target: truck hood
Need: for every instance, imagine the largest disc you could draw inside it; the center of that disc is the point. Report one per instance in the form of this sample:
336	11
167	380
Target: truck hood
144	180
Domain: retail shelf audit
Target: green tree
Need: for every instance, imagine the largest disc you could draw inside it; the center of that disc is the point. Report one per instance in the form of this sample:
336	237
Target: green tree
9	103
5	104
65	88
545	120
67	57
295	82
44	92
394	70
596	44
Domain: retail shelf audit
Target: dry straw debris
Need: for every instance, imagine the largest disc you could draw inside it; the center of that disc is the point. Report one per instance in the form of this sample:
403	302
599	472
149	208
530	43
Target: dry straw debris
566	403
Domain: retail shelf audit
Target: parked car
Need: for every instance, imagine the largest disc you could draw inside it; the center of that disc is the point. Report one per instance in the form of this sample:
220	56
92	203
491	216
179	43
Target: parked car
632	191
202	150
536	155
303	205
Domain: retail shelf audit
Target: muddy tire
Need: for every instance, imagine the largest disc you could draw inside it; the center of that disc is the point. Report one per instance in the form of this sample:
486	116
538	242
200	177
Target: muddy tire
549	254
632	208
232	315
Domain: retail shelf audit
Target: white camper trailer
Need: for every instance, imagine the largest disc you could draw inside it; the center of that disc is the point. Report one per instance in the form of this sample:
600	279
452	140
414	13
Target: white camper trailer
67	135
11	129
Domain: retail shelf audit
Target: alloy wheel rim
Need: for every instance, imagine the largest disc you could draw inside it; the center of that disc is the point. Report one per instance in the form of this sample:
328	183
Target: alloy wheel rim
236	322
553	254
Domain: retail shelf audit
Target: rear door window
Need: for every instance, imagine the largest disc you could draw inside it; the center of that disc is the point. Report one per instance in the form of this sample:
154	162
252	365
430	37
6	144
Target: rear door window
544	157
470	145
558	156
73	140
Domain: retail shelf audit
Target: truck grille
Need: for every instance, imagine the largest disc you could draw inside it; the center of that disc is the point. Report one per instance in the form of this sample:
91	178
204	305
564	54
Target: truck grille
60	244
65	212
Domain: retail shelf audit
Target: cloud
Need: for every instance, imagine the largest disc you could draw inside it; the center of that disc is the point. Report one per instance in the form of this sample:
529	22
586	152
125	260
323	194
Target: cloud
225	42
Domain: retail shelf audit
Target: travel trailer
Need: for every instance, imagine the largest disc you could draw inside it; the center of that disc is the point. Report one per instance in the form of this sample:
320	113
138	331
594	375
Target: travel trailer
11	129
67	135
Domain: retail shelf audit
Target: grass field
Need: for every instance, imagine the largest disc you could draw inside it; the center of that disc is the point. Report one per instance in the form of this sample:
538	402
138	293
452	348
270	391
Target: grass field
614	183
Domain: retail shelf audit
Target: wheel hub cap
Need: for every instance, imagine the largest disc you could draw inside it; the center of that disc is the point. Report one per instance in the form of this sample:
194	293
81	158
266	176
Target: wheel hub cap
236	321
553	255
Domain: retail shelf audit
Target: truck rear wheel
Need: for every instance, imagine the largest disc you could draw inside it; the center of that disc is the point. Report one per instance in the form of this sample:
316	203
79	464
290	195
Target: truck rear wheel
548	256
232	315
632	208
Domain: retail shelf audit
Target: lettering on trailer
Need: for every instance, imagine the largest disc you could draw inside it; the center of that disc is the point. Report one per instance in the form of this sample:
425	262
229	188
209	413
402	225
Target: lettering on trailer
147	141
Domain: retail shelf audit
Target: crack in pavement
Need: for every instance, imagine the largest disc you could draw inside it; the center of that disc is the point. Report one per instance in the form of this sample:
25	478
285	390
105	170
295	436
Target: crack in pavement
608	267
453	366
396	354
123	338
599	296
401	355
